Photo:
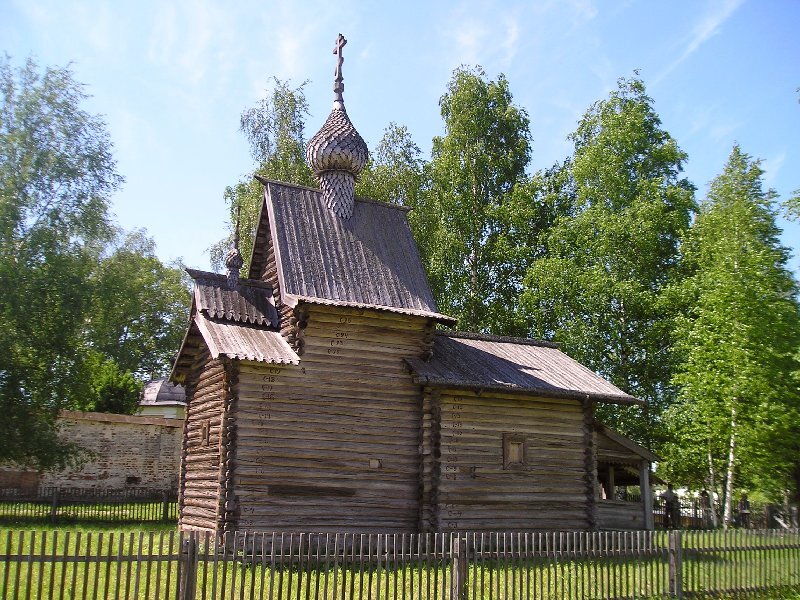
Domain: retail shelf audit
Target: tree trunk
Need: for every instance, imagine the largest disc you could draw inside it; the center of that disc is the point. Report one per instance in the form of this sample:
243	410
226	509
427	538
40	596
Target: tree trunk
712	486
728	512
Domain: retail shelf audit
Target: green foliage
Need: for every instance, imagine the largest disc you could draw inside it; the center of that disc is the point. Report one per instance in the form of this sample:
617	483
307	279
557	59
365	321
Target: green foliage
474	171
274	129
63	301
612	250
56	175
395	170
737	340
139	308
791	206
111	389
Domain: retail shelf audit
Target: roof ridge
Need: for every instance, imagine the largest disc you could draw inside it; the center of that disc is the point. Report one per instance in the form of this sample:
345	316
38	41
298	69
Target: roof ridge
488	337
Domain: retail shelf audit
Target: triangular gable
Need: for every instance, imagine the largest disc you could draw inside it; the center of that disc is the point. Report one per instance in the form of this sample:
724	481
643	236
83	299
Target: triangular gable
616	443
369	260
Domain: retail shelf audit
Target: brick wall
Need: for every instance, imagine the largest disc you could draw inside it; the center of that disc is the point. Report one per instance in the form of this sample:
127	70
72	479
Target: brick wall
127	451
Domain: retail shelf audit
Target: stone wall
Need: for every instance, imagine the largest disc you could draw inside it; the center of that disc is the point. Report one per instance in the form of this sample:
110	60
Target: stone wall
126	452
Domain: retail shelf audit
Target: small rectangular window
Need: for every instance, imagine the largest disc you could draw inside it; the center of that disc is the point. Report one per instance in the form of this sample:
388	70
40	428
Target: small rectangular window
205	432
514	450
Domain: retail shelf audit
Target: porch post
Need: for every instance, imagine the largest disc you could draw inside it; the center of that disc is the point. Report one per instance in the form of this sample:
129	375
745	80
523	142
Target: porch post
646	494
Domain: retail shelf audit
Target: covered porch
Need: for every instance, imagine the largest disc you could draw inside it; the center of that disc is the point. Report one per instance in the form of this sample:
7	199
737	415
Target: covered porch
624	496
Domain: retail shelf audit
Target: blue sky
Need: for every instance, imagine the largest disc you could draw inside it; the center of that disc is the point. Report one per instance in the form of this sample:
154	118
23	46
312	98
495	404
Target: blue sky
171	79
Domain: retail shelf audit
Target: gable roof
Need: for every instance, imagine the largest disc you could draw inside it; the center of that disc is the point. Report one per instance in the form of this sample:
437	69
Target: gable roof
464	360
369	260
626	443
250	302
240	323
162	392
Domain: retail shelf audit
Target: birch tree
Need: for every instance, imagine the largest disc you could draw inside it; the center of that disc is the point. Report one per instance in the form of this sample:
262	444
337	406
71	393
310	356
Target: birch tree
474	170
737	408
612	251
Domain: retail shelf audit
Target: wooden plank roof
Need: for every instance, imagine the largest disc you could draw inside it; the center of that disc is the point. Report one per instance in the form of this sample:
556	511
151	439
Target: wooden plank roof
369	260
250	302
162	392
240	323
245	342
463	360
605	453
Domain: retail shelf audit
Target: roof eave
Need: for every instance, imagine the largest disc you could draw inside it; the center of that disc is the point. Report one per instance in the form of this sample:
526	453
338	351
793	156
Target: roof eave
627	443
292	300
541	392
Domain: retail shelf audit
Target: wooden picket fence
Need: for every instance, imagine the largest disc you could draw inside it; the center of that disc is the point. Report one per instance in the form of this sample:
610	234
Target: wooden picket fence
69	505
447	566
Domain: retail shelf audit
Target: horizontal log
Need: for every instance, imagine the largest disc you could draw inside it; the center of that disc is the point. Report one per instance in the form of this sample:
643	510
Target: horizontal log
400	410
269	417
501	398
319	393
359	458
193	523
311	432
334	314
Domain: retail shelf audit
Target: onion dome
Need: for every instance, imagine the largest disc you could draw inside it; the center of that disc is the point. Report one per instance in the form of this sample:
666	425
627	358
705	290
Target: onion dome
337	153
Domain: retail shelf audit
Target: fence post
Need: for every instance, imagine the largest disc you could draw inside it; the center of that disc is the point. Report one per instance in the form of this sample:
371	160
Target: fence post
675	560
165	507
54	506
458	559
187	567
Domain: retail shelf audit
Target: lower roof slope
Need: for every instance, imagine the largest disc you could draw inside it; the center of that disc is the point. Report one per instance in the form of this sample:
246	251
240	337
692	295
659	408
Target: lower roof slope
464	360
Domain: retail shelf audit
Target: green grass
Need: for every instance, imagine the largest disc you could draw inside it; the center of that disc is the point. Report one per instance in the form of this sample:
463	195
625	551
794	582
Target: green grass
114	571
132	512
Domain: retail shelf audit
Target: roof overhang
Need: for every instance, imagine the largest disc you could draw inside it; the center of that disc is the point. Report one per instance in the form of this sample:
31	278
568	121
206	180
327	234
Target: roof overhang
479	387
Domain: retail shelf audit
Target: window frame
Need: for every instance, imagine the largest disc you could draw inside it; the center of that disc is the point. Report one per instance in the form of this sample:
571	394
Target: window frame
510	440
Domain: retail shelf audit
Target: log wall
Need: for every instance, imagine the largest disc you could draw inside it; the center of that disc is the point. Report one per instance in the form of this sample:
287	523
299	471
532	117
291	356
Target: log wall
333	443
470	489
617	515
200	460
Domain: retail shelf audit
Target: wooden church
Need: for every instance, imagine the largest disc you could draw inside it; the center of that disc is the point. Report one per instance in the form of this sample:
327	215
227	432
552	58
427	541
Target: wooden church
325	392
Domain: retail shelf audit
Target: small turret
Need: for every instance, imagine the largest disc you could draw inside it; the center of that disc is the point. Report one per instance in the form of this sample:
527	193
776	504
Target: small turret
233	259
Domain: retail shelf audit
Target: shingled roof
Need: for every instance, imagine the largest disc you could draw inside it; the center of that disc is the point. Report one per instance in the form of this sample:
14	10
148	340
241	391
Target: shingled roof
162	392
465	360
369	260
240	323
250	302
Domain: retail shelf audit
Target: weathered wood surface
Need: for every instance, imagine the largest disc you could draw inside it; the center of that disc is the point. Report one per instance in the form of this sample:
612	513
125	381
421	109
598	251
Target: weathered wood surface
334	442
610	451
465	485
200	462
619	515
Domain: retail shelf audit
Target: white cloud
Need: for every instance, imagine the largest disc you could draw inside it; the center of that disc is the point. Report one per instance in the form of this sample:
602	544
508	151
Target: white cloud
88	23
723	131
484	33
583	10
703	30
772	167
193	37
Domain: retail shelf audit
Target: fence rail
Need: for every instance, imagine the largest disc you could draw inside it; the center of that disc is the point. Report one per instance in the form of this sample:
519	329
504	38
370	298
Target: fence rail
59	505
446	566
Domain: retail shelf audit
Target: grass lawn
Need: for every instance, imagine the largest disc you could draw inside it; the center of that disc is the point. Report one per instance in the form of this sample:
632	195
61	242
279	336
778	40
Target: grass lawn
140	561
